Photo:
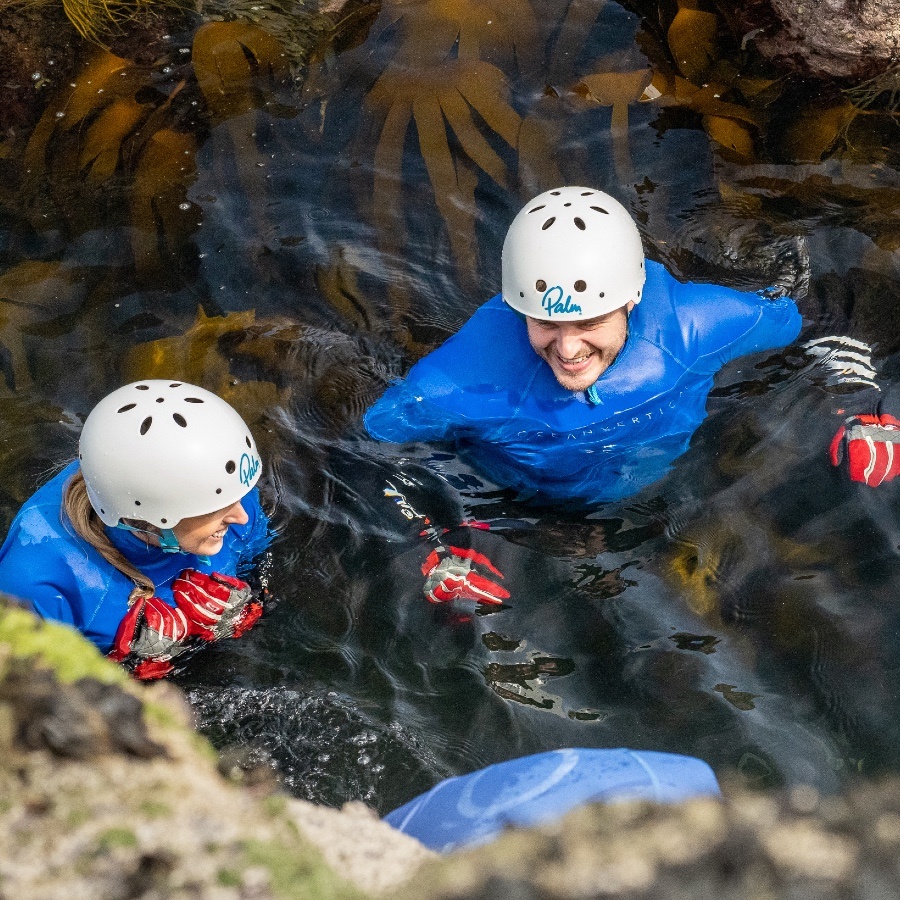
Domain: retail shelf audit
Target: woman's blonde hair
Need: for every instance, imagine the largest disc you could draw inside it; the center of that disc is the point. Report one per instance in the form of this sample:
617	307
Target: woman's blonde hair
87	524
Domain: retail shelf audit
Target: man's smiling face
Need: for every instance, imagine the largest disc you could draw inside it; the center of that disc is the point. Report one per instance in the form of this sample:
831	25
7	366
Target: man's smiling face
579	352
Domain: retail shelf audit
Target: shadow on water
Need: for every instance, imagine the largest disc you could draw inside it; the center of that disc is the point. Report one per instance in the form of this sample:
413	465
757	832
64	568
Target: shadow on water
337	210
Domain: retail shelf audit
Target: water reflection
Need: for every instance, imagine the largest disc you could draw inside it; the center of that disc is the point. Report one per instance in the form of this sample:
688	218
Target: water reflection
293	230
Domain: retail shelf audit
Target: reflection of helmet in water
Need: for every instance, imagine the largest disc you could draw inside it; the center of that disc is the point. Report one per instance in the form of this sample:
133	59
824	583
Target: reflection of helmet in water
159	451
572	254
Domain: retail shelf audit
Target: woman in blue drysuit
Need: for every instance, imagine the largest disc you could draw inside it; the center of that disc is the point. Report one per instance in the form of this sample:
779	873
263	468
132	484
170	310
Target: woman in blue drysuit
139	542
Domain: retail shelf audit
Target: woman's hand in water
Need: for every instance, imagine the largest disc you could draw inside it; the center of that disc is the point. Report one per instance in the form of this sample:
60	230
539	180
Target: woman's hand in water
871	445
216	605
208	607
150	635
449	575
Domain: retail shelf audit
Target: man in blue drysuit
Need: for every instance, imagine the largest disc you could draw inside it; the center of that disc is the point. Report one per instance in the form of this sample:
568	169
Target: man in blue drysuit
586	377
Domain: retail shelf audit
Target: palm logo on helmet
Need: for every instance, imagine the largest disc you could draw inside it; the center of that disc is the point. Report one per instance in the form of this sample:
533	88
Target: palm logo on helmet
572	254
160	451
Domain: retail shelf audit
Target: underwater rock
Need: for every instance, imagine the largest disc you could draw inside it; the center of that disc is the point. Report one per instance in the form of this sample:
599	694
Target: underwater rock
845	39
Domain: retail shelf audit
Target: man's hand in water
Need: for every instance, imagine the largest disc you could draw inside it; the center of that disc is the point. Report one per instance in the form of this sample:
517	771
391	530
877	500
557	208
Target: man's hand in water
450	575
208	607
871	445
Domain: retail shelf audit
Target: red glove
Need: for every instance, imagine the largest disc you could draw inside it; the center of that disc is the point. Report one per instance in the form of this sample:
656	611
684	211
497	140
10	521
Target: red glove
218	606
870	444
449	576
208	607
150	635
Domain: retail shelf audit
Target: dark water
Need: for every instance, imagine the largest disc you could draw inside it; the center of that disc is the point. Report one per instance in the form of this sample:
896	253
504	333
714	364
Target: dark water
744	609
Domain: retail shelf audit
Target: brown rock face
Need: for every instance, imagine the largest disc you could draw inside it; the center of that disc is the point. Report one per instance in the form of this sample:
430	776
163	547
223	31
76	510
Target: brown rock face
845	39
749	847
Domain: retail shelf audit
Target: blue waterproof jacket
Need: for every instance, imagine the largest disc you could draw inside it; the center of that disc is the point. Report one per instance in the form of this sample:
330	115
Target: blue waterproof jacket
487	389
61	577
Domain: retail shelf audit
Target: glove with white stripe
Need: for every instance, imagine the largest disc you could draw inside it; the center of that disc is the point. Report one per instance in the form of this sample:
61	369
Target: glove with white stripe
449	575
207	608
841	363
870	445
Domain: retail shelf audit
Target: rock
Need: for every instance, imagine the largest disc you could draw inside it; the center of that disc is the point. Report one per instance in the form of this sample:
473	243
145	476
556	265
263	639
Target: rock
844	39
79	720
794	844
356	843
107	793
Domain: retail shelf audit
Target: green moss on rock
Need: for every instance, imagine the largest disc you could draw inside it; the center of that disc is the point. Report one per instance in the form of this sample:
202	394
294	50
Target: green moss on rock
298	872
58	647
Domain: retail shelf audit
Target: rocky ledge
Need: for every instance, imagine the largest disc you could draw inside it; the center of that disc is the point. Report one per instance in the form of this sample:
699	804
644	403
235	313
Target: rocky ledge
106	793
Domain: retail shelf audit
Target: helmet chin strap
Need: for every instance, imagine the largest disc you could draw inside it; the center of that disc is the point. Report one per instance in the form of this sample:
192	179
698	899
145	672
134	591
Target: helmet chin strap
168	543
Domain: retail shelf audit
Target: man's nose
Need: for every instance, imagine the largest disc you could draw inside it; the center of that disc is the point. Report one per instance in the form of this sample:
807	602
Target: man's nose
568	344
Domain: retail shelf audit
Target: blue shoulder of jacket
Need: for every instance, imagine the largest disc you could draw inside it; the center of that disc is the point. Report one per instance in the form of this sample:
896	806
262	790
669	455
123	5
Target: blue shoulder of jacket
474	376
706	325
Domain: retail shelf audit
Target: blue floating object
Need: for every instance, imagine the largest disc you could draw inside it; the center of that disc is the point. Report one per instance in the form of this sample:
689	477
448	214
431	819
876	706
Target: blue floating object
473	809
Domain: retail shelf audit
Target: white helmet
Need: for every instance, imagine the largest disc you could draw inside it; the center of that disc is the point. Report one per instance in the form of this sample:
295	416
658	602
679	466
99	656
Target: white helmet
572	253
160	451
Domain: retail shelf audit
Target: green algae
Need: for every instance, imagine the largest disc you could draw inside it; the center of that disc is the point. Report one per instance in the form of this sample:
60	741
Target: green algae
298	871
58	647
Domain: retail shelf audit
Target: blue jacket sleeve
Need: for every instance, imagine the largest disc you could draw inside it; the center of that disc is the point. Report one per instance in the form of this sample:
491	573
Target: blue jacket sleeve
467	385
404	414
719	324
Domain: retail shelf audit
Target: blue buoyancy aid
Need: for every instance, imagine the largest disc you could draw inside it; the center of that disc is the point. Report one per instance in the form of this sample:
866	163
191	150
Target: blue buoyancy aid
488	390
475	808
62	577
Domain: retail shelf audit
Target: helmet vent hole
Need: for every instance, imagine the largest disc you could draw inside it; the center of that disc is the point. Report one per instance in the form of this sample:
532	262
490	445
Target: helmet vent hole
163	521
579	224
536	209
567	204
179	420
600	209
586	193
540	285
160	399
555	193
249	445
218	490
145	425
143	387
127	407
175	384
521	293
580	286
137	502
230	467
192	400
602	294
548	223
102	512
639	293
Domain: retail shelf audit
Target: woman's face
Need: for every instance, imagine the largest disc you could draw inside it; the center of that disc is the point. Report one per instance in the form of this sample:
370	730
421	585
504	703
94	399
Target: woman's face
203	535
